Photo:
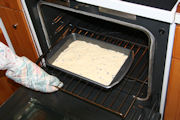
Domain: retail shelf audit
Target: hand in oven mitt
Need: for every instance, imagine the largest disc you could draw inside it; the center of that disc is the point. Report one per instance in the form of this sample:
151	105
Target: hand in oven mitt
25	72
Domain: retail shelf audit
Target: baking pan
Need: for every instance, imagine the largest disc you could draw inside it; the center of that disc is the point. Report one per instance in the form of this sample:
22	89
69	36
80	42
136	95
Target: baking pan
64	43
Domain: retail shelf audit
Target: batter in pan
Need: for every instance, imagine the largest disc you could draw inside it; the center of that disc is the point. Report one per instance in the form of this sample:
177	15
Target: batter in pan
91	61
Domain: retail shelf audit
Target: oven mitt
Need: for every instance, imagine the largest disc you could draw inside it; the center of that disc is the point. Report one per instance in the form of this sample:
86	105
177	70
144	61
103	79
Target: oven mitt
27	73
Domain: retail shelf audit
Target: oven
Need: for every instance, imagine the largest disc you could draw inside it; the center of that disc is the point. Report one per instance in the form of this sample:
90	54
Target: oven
139	95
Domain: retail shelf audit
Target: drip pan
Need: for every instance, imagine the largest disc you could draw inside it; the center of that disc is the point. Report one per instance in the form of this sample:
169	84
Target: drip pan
85	62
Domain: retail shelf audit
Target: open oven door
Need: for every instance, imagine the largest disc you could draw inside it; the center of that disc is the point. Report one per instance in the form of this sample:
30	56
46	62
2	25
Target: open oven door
26	104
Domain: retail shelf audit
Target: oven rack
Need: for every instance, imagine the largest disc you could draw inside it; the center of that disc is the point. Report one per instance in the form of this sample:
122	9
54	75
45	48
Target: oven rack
120	99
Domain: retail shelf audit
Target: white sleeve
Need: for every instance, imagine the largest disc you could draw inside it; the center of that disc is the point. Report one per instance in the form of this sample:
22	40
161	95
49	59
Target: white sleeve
7	57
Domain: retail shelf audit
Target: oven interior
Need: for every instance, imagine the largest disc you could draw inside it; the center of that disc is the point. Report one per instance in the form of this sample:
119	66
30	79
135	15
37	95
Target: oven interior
121	98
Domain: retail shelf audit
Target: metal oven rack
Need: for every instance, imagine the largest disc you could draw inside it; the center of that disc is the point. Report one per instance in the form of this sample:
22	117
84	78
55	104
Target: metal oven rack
119	99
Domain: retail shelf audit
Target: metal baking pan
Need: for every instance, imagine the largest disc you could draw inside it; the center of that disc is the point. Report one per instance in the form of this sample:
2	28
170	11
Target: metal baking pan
64	43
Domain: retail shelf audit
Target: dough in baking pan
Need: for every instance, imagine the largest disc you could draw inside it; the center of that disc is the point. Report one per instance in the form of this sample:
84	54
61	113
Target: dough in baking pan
91	61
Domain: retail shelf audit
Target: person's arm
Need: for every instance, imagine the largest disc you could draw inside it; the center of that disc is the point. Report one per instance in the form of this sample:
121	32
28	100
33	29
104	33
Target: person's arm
25	72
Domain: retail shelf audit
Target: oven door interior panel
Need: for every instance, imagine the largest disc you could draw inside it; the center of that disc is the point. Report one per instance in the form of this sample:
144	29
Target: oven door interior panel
26	104
53	22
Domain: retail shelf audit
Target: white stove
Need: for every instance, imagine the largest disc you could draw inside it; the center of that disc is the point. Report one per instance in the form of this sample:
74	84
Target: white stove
161	10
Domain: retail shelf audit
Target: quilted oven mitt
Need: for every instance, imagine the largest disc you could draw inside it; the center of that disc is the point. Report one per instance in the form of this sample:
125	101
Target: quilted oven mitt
25	72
